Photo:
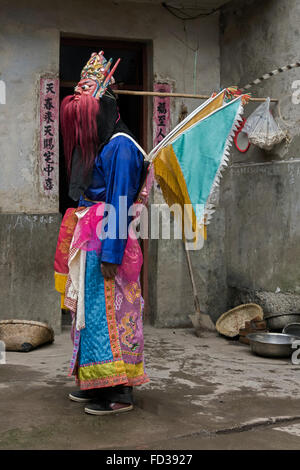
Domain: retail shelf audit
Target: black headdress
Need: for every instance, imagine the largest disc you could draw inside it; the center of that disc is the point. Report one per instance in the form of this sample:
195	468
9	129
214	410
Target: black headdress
109	123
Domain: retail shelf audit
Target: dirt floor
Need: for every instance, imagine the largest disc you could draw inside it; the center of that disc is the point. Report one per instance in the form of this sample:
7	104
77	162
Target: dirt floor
204	393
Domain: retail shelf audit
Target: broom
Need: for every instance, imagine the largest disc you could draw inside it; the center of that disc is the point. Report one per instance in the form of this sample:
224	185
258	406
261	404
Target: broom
201	321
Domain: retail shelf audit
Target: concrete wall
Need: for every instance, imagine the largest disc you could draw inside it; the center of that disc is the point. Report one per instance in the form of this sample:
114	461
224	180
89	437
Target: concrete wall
171	300
253	240
260	191
27	250
29	47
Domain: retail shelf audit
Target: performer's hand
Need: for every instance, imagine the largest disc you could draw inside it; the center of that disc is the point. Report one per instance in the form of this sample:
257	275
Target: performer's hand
109	270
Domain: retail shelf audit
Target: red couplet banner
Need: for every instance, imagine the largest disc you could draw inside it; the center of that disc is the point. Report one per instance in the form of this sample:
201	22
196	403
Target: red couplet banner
49	138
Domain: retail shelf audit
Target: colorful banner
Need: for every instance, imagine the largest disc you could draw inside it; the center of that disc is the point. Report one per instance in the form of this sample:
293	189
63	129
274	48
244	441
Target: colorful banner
189	166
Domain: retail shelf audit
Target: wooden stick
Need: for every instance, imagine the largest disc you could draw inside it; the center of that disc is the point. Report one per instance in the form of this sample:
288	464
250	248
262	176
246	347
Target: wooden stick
176	95
195	293
156	93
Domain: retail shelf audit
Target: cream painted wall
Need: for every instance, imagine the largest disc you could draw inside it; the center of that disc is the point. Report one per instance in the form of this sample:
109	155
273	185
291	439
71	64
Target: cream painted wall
29	46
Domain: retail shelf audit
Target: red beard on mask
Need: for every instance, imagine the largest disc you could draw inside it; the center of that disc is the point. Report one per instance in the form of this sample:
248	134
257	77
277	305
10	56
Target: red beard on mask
79	128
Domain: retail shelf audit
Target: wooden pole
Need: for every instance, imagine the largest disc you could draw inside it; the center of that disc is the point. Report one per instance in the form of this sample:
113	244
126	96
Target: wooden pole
191	273
176	95
65	84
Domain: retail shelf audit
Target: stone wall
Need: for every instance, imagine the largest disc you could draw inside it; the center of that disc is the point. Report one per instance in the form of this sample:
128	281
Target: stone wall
29	47
260	192
28	244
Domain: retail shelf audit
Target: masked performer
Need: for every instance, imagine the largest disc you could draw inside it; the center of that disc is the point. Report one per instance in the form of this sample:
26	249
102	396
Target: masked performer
97	265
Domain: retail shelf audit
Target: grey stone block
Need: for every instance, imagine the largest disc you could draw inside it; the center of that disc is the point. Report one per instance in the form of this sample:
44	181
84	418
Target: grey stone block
271	302
28	243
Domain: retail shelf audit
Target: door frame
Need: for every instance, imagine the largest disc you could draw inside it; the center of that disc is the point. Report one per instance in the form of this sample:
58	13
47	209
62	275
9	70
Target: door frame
145	124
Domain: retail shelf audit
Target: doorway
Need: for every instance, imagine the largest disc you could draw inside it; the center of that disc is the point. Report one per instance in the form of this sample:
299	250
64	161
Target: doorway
131	74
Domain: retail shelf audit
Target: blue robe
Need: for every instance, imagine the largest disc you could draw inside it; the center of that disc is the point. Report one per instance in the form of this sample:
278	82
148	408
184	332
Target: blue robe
110	348
117	172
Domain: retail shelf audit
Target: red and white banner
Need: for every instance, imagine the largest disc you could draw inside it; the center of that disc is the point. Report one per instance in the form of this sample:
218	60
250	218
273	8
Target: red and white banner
49	137
161	113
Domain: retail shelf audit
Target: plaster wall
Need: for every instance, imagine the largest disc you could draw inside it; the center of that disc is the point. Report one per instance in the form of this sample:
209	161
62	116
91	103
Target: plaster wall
29	46
183	53
260	191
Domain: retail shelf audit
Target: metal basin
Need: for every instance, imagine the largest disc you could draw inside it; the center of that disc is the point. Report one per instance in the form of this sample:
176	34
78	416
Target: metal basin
272	344
292	329
278	322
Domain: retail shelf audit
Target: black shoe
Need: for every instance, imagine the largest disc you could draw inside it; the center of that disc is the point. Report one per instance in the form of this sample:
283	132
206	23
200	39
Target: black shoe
84	396
106	407
117	400
121	394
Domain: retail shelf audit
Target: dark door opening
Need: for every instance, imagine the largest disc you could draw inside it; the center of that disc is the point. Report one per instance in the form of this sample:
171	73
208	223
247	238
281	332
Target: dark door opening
131	74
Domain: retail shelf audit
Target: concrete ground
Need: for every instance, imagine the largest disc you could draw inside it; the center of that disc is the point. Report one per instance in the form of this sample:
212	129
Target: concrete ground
205	393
